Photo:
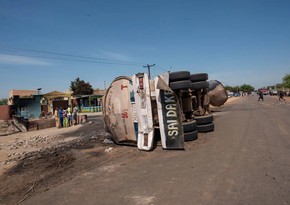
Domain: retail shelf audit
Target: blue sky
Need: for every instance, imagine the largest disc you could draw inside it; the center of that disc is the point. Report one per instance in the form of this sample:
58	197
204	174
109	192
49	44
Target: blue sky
48	44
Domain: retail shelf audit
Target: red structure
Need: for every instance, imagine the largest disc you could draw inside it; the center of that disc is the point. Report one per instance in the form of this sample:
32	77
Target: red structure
264	91
6	112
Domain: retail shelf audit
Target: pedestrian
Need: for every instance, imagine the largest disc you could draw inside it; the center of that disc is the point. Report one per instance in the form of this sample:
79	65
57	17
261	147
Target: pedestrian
56	117
281	96
261	96
65	118
60	117
75	115
69	115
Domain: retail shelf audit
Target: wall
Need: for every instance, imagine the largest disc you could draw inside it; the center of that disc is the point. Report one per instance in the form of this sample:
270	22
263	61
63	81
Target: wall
6	112
32	107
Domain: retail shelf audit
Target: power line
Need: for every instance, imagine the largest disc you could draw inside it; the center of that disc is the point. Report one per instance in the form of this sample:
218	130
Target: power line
68	55
161	68
91	59
84	61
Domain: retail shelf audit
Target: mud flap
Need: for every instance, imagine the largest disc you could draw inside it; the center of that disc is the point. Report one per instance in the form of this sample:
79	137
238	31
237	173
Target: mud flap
169	115
141	86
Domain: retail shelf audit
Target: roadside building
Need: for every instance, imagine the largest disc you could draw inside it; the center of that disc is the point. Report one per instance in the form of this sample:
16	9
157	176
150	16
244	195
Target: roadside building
55	99
90	103
26	103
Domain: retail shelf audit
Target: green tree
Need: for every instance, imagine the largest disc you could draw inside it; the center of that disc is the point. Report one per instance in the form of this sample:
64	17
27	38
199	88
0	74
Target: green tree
246	88
228	87
3	101
286	81
279	85
236	89
80	87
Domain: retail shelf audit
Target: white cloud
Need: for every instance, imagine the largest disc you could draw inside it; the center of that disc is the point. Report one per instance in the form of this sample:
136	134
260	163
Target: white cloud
15	59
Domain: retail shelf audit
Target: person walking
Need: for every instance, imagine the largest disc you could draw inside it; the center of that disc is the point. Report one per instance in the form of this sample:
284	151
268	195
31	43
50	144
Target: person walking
261	96
281	96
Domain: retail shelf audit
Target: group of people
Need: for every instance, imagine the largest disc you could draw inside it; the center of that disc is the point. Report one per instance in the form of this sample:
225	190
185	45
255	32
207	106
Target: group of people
66	118
280	95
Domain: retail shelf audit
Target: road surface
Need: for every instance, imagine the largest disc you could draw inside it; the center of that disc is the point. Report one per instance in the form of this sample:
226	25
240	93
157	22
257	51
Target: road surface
246	160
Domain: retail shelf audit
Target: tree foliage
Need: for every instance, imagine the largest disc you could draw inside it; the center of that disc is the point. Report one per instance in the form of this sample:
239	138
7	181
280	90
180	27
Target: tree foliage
80	87
279	85
229	88
246	88
236	89
286	81
3	101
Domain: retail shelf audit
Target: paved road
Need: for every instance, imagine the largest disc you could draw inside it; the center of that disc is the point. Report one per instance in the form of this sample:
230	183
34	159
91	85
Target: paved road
246	160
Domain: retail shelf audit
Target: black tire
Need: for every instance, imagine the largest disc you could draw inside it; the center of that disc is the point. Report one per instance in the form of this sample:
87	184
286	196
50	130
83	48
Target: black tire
190	136
198	77
205	119
180	85
199	85
179	75
205	128
189	126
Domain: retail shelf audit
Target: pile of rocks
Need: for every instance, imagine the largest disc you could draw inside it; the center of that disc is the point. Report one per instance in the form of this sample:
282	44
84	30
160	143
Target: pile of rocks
7	128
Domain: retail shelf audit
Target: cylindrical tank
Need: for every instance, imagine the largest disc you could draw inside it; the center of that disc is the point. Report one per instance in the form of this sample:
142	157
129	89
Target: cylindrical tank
217	93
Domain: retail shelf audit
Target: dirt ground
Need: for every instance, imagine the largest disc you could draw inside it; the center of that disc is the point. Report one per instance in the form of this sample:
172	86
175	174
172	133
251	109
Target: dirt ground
36	161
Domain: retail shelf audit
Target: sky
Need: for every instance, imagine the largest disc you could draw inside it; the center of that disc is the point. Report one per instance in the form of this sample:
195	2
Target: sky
48	44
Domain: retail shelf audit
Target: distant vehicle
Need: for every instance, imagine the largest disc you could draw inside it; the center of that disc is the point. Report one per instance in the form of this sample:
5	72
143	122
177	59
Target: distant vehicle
264	91
230	94
273	92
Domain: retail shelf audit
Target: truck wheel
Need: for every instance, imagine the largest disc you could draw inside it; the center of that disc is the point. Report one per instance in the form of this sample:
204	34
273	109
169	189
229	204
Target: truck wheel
199	85
198	77
179	75
190	136
205	119
180	85
189	126
205	128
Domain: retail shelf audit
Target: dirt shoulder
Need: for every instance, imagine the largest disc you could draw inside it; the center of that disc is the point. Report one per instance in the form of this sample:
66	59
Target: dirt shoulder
35	161
15	146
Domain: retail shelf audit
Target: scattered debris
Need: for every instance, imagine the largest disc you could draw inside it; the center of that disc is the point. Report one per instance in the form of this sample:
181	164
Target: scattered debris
109	149
94	137
7	128
108	141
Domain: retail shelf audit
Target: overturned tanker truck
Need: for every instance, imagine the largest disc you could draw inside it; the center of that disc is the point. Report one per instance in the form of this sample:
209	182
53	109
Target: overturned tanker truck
173	107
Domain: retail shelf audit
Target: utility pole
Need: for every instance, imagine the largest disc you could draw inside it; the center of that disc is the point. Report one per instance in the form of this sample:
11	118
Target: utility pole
148	66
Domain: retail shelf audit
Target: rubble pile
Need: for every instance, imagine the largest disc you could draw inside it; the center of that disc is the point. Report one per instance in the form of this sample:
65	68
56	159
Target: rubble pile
31	142
52	150
7	128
